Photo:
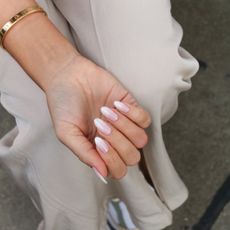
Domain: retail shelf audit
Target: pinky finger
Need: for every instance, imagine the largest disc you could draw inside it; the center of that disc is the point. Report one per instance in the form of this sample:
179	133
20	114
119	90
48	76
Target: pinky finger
116	166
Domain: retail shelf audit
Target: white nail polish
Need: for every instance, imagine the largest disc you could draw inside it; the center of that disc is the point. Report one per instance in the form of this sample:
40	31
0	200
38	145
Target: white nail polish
109	113
121	106
99	175
101	144
102	126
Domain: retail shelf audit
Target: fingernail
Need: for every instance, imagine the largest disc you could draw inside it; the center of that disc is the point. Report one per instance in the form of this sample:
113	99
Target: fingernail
101	144
109	113
99	175
102	126
121	106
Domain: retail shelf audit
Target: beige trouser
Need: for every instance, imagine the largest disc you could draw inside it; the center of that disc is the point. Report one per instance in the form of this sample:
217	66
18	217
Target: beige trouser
138	41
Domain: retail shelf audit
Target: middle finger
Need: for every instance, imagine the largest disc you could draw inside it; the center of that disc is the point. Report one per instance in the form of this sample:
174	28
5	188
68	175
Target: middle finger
135	133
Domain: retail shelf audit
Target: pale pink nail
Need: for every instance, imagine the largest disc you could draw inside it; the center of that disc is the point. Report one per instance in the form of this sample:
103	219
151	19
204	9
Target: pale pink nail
121	106
101	144
109	113
102	126
99	175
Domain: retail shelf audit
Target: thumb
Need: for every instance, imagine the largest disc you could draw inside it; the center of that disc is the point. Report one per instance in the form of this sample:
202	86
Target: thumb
71	136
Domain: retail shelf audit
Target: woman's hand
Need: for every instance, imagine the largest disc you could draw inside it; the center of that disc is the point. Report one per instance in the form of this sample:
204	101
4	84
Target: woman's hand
80	99
76	89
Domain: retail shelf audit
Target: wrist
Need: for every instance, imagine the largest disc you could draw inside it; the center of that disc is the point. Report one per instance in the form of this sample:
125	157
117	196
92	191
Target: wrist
56	72
39	47
11	7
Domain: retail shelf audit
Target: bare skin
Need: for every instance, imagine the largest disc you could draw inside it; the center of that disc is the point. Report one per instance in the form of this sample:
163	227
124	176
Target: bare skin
75	96
76	88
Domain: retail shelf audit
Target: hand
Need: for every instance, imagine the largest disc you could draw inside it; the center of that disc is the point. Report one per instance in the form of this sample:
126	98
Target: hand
77	96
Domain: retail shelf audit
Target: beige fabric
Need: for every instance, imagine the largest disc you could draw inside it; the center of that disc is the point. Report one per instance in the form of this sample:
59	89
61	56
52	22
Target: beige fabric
138	41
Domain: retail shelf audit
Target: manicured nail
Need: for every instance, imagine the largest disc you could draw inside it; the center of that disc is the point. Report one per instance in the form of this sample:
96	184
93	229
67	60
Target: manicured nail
102	126
99	175
121	106
101	144
109	113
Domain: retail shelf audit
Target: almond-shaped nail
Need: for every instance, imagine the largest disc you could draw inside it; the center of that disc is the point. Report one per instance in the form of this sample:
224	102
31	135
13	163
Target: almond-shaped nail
109	113
121	106
102	126
101	144
99	175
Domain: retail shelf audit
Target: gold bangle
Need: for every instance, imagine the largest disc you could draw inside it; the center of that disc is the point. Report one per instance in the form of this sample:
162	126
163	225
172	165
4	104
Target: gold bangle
16	18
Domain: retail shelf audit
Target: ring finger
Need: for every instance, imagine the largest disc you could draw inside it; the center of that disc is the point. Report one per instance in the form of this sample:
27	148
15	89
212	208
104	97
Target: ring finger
127	151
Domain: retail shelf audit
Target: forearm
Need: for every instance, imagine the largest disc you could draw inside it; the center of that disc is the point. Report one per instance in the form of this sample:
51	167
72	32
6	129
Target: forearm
35	43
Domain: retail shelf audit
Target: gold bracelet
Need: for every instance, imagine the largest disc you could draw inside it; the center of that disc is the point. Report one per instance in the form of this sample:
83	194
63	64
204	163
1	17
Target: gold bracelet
16	18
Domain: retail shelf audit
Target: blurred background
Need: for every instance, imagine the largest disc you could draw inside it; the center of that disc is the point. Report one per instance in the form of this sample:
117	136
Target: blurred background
197	137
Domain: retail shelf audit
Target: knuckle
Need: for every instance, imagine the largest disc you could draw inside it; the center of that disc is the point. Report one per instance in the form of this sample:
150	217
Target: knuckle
122	172
147	120
142	140
83	160
140	115
111	160
134	158
143	117
127	150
